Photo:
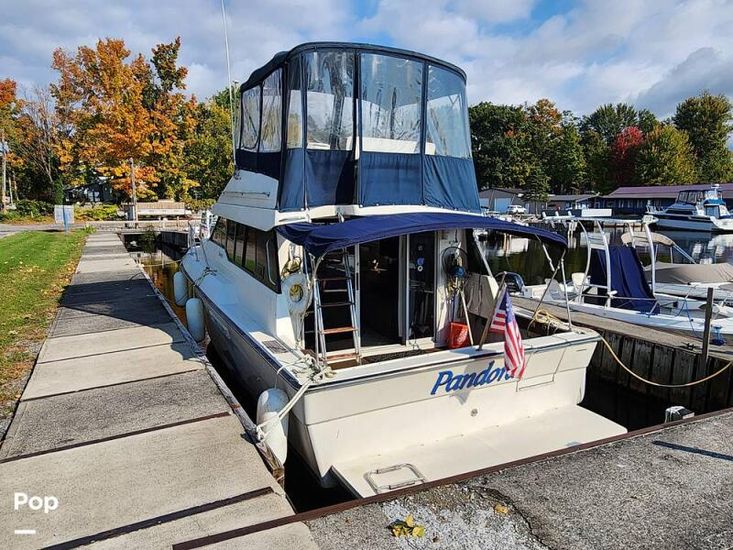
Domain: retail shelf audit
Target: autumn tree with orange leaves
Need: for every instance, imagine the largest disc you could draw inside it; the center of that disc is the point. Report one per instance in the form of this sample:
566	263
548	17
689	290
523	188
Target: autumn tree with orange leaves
114	108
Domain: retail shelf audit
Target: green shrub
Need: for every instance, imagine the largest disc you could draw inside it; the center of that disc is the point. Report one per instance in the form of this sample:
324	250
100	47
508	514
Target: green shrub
97	213
31	208
199	205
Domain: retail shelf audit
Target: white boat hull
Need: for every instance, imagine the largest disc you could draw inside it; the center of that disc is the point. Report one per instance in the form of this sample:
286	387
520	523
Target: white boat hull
710	225
366	416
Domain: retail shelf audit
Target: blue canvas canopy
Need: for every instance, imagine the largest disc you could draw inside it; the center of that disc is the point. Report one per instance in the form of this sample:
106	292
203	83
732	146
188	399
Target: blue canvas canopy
319	239
356	124
627	278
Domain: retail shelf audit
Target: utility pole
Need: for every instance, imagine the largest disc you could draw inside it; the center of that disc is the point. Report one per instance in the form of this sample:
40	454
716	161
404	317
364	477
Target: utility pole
4	148
134	194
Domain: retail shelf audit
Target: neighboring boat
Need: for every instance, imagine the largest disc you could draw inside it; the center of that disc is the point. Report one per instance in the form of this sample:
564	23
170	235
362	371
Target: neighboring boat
688	278
696	210
343	258
614	285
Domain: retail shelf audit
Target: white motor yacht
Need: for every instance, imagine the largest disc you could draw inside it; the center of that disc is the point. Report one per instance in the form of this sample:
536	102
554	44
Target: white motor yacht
343	268
696	210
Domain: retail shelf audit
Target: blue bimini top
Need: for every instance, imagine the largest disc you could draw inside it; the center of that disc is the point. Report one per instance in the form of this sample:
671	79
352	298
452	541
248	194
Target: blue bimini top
319	239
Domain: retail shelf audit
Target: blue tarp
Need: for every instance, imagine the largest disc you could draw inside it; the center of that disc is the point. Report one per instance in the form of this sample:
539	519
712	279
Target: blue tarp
319	239
627	278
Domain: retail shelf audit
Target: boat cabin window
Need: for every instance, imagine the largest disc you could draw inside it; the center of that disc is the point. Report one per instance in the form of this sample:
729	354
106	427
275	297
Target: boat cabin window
330	99
713	211
271	113
447	130
391	101
250	119
295	106
253	250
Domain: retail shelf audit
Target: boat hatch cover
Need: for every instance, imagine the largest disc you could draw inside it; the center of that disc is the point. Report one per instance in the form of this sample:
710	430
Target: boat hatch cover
491	446
319	239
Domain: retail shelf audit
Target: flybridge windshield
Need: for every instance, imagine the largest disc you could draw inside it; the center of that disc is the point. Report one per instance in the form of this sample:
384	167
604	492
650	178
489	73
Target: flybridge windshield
360	125
693	197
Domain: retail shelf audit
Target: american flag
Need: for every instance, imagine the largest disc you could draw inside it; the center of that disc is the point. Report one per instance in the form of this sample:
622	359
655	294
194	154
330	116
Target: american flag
505	322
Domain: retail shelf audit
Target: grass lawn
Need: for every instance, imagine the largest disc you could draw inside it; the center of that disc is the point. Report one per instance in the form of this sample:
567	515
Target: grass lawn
34	267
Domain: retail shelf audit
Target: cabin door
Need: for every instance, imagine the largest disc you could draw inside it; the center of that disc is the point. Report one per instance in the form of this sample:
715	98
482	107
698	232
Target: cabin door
420	286
379	292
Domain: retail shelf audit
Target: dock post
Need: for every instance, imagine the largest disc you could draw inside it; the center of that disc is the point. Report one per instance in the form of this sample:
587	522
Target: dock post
706	332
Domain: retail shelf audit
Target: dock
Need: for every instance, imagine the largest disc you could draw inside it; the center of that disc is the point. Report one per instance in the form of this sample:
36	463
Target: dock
123	437
669	487
666	357
666	486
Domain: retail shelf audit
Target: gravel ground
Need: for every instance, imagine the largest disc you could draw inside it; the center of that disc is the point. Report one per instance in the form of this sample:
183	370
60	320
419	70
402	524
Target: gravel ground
668	489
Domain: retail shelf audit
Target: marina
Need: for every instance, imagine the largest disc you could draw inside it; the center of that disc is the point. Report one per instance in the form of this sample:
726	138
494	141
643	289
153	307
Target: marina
303	314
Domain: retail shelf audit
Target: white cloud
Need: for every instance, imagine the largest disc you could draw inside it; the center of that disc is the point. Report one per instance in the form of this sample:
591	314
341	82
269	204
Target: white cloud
652	53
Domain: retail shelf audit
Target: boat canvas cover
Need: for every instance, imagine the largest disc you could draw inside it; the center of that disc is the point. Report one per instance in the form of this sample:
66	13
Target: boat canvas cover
693	273
627	279
319	239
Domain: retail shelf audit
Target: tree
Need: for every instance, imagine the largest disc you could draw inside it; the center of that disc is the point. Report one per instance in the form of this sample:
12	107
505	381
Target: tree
623	155
501	145
37	139
537	185
208	154
706	119
647	121
665	158
117	108
566	165
597	156
608	120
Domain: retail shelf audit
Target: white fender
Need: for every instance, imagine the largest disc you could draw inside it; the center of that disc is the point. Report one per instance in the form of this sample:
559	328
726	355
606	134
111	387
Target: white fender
195	318
180	288
269	403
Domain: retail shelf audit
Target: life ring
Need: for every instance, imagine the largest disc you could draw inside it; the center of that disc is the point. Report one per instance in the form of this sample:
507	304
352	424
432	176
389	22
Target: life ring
297	292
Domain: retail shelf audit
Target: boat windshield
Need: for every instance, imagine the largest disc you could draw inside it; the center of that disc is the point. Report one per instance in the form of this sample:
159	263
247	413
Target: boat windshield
712	194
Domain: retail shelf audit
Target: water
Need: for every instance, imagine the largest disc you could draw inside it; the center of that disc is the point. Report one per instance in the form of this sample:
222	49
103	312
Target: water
516	254
526	257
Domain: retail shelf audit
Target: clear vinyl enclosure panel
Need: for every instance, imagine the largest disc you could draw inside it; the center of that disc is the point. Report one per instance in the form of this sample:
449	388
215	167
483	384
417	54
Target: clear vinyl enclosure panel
358	124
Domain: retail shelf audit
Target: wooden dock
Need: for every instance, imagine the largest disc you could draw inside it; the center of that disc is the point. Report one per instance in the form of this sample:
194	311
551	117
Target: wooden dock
124	435
665	357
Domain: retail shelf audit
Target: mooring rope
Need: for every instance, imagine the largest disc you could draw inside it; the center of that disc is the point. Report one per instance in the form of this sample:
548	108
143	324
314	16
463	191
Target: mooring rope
545	317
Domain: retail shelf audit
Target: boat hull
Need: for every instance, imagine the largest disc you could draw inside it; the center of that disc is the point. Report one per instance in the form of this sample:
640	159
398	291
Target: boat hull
709	225
412	402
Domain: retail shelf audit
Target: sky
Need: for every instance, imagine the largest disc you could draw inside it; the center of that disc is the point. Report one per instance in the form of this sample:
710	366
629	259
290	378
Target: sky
580	54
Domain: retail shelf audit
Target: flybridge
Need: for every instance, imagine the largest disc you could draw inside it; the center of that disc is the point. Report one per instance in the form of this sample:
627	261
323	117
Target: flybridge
352	124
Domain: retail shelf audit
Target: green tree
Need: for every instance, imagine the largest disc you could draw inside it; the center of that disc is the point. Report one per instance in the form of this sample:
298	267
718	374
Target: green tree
565	162
665	158
647	121
598	157
537	185
608	120
208	153
706	119
501	145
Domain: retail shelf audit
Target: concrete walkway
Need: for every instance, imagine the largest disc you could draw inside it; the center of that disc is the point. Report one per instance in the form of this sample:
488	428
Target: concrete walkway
672	488
124	432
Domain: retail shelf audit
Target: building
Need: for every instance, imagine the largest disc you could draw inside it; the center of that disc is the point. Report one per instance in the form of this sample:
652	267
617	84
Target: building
499	200
636	200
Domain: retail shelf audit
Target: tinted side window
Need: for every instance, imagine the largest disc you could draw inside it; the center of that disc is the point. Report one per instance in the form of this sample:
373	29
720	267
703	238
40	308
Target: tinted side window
219	235
239	245
231	236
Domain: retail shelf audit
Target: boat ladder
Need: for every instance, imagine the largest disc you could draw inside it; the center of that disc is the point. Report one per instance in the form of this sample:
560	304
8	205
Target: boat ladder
338	284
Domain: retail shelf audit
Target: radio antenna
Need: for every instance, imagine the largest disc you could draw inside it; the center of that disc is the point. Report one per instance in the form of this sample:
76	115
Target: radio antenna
229	80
